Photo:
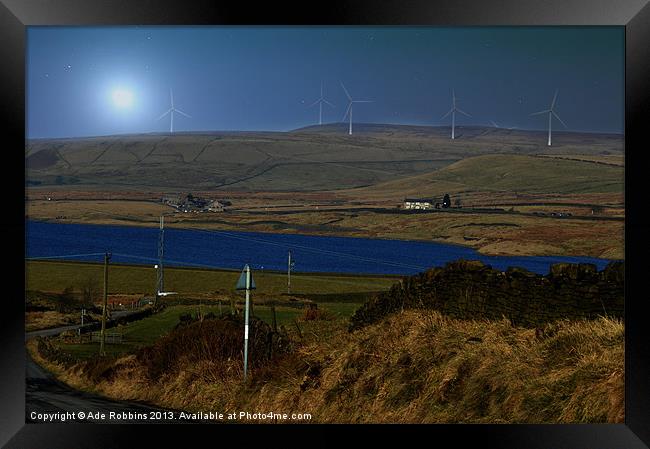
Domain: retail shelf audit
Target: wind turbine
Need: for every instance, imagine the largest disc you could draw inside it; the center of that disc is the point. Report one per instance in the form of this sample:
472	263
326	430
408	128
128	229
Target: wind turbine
453	111
351	102
320	102
551	112
171	111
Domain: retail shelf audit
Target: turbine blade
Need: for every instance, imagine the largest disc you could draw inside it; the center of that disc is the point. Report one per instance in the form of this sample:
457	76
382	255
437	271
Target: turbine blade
314	104
346	91
558	117
541	112
494	124
181	112
347	111
463	112
171	98
167	112
450	111
327	102
554	98
321	89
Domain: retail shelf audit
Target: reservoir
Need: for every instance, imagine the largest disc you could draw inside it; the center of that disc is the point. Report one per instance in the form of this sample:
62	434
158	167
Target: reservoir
231	249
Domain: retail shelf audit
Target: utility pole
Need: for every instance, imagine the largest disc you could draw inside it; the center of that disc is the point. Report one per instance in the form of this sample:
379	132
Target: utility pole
107	257
160	283
273	317
289	274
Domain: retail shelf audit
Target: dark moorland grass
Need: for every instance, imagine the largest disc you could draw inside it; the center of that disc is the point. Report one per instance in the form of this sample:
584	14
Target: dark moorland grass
134	279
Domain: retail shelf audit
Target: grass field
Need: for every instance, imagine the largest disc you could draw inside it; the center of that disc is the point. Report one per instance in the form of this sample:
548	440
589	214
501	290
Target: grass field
146	331
134	279
505	173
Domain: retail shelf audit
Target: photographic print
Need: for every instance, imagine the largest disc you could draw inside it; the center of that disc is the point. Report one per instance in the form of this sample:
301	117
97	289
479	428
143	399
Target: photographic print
326	224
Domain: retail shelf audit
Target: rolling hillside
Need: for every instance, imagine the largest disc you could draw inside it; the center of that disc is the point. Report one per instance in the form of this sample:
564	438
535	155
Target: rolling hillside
500	173
308	159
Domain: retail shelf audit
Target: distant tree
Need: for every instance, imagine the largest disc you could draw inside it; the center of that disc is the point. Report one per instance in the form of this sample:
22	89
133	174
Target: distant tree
66	300
457	202
89	291
446	201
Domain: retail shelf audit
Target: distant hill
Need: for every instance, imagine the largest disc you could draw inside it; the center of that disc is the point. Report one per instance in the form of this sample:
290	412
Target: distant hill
312	158
505	173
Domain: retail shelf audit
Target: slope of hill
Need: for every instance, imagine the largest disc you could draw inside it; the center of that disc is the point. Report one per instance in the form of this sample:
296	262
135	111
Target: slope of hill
412	367
314	158
504	173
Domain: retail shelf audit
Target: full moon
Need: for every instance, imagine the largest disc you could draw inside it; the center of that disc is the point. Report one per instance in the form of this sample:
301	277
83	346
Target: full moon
122	98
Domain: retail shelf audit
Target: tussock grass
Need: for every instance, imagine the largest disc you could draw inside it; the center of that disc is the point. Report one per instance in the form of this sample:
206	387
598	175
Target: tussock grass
47	319
412	367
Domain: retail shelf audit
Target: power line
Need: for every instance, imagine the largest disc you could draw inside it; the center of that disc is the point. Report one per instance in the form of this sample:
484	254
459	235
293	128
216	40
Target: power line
309	249
67	256
282	245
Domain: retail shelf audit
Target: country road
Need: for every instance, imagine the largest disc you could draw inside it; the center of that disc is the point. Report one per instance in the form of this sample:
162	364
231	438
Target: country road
45	394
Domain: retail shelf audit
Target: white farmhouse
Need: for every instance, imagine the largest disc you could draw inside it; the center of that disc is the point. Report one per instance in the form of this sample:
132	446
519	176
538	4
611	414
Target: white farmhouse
419	203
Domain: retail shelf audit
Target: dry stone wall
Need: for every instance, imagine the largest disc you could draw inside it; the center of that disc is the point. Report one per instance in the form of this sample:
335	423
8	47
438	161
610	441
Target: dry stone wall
473	290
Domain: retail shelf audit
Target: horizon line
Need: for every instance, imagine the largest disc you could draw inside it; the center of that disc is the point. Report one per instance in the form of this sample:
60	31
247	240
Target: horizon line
292	130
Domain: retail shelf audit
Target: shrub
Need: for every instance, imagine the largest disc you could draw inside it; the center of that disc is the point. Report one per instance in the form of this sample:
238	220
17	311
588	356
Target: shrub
315	314
218	341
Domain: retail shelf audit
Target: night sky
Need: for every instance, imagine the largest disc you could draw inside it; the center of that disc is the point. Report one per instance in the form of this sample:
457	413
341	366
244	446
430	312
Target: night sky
116	80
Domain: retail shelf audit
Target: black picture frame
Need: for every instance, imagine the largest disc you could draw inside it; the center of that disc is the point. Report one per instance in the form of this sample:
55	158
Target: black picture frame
634	15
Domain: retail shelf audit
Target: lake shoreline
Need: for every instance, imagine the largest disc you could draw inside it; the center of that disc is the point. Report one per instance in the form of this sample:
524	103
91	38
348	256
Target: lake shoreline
230	250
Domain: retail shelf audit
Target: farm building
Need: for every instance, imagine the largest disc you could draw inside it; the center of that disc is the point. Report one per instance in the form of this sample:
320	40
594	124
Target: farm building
195	204
419	203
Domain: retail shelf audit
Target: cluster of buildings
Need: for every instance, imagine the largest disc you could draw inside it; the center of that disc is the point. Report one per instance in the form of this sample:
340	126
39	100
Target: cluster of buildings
194	204
426	203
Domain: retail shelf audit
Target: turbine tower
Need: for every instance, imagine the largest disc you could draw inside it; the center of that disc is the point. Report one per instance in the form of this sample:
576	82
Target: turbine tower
320	102
351	102
551	112
453	111
171	111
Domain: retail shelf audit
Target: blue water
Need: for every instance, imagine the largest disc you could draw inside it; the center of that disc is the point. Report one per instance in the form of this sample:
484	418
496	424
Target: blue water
227	249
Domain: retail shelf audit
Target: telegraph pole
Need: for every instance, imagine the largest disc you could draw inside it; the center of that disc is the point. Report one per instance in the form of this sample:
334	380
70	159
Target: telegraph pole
107	257
160	286
273	317
289	274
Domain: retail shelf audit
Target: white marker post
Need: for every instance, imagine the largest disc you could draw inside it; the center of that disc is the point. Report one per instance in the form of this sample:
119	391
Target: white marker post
248	298
246	283
289	274
83	313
